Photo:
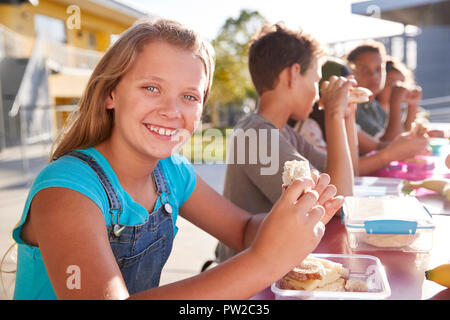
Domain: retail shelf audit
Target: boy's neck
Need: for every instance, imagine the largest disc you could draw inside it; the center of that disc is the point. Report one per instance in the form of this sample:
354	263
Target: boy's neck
273	108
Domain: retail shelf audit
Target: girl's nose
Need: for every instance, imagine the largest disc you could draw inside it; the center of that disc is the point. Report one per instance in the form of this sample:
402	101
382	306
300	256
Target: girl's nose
170	109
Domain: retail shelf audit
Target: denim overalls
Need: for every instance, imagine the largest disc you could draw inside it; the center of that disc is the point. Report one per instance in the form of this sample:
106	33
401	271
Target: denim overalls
140	250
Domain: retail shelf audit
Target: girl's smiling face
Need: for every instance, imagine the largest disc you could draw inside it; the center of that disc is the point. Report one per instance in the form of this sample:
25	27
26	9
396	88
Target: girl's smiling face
158	102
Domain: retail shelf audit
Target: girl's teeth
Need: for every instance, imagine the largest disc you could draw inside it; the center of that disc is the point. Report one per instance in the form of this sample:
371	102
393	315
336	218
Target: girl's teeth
161	131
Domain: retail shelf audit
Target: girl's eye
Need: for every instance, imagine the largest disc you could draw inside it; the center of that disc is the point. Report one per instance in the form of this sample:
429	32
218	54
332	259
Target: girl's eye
151	88
190	97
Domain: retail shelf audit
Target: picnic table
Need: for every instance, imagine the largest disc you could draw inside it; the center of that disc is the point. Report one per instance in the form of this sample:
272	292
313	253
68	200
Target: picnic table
405	270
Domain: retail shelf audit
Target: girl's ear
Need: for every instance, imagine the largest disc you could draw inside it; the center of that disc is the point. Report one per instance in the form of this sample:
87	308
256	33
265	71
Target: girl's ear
109	103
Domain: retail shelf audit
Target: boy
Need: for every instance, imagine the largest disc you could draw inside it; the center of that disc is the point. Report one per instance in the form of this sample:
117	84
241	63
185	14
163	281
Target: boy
285	70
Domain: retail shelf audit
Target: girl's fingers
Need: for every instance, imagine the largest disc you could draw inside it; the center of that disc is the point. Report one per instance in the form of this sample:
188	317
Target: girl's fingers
331	207
328	193
315	175
296	188
322	182
315	214
307	201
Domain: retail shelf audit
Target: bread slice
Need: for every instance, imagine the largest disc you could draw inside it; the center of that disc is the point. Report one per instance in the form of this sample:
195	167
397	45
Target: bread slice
301	278
356	285
309	269
358	95
295	169
338	285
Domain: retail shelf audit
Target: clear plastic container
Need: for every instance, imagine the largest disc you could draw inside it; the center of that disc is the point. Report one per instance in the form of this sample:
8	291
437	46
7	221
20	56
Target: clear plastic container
388	223
361	267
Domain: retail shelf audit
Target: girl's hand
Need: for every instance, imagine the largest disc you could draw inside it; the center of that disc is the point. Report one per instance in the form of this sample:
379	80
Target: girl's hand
406	145
399	93
414	96
295	224
327	194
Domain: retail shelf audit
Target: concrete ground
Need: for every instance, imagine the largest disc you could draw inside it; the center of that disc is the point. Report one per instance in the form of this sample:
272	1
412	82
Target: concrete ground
191	248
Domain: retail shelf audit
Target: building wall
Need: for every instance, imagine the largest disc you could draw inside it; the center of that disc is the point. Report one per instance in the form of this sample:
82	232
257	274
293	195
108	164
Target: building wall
433	61
21	19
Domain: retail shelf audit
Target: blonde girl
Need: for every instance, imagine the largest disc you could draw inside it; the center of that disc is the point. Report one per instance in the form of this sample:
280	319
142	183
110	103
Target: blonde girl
100	218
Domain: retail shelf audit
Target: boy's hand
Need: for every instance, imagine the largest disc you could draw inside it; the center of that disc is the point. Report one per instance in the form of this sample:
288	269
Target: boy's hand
334	95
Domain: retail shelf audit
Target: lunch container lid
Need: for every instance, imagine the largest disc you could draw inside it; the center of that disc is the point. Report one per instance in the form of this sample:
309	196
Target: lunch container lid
386	215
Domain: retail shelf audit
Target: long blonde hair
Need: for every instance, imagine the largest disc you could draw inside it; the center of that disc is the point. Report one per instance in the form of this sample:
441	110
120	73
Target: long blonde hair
92	123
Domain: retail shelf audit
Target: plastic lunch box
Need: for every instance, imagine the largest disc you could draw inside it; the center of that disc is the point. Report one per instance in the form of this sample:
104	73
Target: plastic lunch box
387	223
363	267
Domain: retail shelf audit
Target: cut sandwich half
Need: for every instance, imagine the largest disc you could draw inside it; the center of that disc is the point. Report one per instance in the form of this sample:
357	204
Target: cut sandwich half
316	274
358	95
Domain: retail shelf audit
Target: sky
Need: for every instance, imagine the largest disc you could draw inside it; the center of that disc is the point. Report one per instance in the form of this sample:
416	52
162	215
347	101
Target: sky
327	20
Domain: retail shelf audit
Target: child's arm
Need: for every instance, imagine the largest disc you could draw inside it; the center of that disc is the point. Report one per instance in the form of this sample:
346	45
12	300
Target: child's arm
237	227
352	136
70	231
395	125
339	161
403	147
367	143
414	97
281	240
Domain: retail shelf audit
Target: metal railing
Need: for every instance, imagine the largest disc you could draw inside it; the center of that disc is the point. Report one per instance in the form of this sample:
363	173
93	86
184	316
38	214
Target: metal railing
69	57
13	44
438	108
42	55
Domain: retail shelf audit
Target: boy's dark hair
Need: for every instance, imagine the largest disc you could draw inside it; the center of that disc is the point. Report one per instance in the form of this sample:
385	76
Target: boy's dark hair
276	47
368	46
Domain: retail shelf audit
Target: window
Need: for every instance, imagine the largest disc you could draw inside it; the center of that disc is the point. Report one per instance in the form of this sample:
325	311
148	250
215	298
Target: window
92	42
50	29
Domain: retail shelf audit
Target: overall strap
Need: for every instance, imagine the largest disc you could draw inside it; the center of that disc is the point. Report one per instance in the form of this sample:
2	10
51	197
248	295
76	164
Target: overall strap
162	189
114	202
160	182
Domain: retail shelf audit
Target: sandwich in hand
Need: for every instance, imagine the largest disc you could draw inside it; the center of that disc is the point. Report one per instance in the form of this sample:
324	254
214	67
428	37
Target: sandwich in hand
358	95
419	127
295	169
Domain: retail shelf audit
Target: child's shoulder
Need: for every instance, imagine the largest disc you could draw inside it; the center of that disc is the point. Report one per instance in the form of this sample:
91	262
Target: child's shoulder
175	162
181	175
63	167
254	121
177	166
68	172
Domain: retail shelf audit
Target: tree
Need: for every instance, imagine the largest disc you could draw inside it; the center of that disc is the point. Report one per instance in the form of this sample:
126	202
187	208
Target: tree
232	82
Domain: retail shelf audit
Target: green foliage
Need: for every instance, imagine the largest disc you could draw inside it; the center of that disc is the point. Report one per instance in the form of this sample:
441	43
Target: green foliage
232	82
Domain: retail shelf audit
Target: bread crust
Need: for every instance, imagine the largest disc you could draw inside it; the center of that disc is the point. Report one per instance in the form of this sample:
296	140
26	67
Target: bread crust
307	270
359	95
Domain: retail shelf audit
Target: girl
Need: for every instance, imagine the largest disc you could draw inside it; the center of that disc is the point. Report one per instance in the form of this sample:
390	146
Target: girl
400	88
100	219
402	147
